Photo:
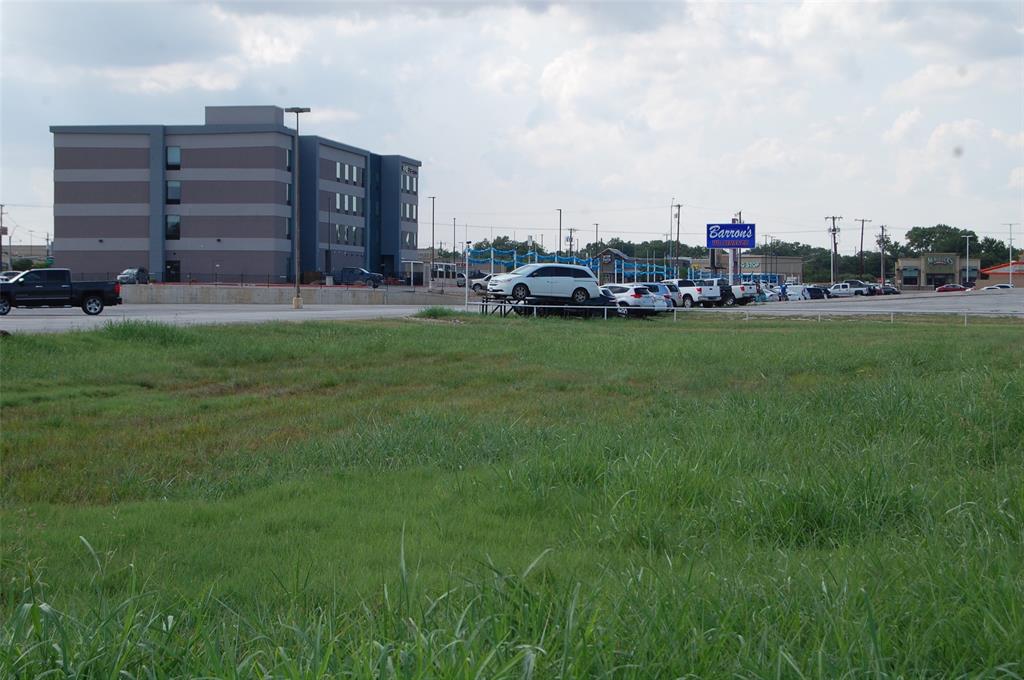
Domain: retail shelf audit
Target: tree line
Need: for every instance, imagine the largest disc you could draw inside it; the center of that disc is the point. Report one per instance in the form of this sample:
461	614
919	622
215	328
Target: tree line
940	238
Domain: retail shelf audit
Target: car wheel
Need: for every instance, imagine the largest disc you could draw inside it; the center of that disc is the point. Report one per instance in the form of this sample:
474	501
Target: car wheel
729	301
5	306
687	302
520	292
477	288
623	309
92	305
580	296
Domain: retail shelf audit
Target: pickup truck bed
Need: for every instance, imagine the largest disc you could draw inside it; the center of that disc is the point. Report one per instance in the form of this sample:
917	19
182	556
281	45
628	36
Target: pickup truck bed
54	288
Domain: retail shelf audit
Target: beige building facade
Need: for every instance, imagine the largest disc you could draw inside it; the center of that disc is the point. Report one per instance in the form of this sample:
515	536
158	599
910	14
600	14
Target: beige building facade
931	270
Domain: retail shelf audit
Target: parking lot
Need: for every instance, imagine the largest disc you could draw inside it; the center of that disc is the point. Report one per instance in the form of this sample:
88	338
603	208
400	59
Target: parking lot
989	303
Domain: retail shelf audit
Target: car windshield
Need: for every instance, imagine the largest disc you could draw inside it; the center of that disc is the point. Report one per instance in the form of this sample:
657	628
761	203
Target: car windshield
128	271
525	269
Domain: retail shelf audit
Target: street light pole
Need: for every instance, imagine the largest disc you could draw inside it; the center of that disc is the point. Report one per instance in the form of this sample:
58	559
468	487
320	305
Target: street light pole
558	252
967	267
430	278
297	300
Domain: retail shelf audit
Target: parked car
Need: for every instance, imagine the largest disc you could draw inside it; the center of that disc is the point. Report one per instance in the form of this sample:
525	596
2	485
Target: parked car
479	285
351	275
814	293
999	286
711	289
54	288
890	290
952	288
8	276
729	295
691	292
133	275
555	281
668	291
636	299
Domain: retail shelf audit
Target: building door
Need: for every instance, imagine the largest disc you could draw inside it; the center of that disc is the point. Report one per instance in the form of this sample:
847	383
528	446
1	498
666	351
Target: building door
172	271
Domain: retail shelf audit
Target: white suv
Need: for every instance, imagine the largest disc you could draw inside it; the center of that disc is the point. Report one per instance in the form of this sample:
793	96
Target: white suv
561	281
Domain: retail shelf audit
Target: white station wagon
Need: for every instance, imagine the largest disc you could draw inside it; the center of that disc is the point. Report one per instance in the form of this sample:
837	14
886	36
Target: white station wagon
560	281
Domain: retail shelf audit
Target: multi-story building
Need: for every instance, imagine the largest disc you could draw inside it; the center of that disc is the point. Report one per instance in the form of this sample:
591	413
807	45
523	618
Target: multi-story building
217	201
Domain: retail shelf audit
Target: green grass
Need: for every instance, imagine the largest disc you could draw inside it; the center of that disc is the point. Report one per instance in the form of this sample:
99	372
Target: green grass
468	497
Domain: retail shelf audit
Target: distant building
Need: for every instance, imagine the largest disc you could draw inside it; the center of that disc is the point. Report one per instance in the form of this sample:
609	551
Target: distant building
931	270
1000	273
216	201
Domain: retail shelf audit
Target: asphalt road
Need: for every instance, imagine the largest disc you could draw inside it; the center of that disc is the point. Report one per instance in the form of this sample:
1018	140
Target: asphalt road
58	320
994	303
991	303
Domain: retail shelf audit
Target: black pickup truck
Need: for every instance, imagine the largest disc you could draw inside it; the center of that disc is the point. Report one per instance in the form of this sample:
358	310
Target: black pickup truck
54	288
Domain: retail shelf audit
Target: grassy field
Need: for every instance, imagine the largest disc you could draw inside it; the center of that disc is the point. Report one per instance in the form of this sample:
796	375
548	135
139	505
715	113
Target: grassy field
483	498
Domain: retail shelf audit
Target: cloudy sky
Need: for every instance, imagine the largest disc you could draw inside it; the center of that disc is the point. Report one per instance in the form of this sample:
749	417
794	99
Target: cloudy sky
905	113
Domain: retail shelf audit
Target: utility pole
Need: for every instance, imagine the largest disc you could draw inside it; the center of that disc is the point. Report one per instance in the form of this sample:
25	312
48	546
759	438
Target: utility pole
455	266
861	245
597	239
834	231
430	278
558	250
881	248
675	245
967	267
1009	225
296	192
572	231
9	258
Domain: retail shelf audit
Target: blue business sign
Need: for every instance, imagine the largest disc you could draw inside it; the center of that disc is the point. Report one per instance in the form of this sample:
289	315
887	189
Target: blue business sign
731	236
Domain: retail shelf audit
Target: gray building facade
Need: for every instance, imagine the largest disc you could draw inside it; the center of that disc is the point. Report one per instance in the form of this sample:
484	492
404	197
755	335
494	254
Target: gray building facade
215	202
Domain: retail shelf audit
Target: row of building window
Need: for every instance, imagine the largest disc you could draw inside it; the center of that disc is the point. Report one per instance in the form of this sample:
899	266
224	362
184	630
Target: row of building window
352	205
353	174
409	183
172	228
347	235
409	211
173	192
173	160
409	239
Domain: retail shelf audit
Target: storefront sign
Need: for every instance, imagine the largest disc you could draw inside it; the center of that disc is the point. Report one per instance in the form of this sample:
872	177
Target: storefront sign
730	236
945	260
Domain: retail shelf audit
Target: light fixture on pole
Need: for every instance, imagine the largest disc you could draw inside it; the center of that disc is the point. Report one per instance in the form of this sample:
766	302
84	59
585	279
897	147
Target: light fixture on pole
430	279
967	267
466	264
297	300
558	252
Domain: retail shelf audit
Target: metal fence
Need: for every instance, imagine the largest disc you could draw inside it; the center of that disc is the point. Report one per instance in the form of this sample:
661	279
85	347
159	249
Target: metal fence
506	308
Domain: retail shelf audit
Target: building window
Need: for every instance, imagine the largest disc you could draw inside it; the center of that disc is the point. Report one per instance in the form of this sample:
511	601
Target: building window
172	227
346	172
287	159
337	170
337	201
408	239
173	191
346	202
414	211
174	158
414	183
288	198
355	204
288	227
355	175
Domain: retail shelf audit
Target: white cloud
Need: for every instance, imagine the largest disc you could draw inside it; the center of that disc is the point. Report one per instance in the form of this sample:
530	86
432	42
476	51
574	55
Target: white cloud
225	74
1012	141
1016	178
902	125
